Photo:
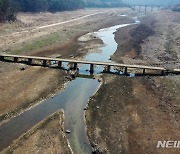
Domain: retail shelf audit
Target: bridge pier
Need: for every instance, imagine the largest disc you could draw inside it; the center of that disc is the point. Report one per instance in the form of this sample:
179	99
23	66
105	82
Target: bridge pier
59	64
145	8
75	66
151	8
71	65
2	58
91	68
108	68
162	72
121	69
29	61
15	59
125	70
44	62
50	62
144	71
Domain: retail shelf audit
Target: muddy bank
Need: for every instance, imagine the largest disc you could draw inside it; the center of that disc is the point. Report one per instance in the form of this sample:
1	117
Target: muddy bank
129	40
130	115
47	136
154	42
22	89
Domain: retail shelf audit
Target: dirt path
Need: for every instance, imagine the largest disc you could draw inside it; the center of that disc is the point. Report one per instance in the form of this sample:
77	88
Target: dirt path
55	24
65	22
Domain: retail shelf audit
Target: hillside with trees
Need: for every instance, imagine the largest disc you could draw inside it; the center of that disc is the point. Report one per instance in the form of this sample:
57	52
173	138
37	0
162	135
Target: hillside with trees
8	8
105	3
49	5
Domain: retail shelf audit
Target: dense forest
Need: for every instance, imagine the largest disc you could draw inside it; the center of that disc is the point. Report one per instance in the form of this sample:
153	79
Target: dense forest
8	8
49	5
105	3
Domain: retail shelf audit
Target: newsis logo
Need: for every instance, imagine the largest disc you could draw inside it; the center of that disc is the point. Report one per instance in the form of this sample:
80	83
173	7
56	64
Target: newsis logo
168	144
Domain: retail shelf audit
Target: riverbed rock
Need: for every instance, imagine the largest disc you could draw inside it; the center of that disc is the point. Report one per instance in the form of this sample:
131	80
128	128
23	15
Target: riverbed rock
97	107
86	108
68	77
68	131
23	69
99	80
96	151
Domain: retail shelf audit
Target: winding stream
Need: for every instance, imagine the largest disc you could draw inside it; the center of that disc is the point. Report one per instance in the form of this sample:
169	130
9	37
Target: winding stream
73	100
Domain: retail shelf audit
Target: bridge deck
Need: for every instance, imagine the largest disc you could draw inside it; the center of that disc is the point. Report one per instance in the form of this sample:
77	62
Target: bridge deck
90	62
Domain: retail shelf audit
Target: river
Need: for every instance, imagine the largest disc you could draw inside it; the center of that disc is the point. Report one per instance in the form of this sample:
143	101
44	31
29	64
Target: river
72	100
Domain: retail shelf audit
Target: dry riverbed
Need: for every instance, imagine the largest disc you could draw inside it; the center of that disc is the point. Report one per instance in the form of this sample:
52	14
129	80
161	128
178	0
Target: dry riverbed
127	115
21	88
130	115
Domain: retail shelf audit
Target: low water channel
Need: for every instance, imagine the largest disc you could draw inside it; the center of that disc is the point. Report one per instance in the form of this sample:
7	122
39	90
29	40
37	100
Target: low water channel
72	100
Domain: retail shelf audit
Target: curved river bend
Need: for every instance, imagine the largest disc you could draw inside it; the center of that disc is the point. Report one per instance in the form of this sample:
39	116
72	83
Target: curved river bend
73	100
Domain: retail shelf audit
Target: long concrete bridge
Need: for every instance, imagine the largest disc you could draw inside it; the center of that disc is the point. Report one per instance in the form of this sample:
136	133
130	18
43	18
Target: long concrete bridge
145	7
107	65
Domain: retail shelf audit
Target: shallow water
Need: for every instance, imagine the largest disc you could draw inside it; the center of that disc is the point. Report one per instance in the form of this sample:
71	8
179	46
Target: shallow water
73	100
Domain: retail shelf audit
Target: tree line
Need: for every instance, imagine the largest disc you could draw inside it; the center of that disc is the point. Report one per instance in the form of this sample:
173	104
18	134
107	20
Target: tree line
49	5
9	8
105	3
